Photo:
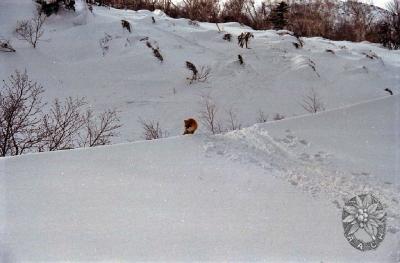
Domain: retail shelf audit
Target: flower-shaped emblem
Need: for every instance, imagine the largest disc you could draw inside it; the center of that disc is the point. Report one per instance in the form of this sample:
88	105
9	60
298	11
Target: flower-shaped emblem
366	214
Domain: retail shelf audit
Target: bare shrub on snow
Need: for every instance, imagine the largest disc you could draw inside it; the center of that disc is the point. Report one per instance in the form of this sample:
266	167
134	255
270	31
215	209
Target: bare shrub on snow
98	130
20	114
278	117
126	24
262	117
105	43
25	126
244	38
61	124
156	51
193	23
312	102
240	58
227	37
5	46
152	130
31	30
208	115
68	125
233	122
198	75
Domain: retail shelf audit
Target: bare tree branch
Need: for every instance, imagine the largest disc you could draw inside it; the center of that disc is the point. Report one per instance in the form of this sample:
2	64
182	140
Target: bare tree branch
31	30
20	109
312	103
152	130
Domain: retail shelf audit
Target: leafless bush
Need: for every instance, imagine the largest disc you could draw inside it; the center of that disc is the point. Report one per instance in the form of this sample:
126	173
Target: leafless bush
105	43
157	54
156	51
24	126
262	117
199	76
233	123
5	46
68	125
20	110
227	37
370	55
208	115
152	130
61	124
31	30
193	23
126	24
278	117
99	130
201	10
299	43
312	102
388	28
244	38
312	65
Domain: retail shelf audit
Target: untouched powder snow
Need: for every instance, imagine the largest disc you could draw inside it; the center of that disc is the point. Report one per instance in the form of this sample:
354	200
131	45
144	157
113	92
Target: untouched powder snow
272	191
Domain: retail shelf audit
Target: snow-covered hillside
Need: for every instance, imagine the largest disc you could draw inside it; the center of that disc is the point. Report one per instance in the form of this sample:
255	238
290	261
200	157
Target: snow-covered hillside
201	197
272	191
69	62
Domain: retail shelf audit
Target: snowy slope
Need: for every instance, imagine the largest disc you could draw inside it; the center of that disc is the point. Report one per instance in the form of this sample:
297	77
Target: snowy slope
69	62
202	197
272	191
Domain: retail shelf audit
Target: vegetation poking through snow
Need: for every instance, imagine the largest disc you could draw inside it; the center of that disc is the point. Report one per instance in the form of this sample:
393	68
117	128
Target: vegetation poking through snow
156	51
332	19
105	43
240	58
244	38
312	102
227	37
197	75
6	46
31	30
125	24
262	117
208	115
278	117
52	7
152	130
26	125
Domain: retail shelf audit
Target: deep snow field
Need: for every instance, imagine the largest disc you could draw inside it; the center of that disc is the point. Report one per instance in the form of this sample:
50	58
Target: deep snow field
268	192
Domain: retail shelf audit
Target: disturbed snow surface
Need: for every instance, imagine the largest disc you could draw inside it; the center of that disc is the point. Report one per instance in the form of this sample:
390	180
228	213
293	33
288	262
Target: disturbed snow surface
273	191
245	195
70	62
